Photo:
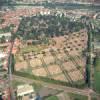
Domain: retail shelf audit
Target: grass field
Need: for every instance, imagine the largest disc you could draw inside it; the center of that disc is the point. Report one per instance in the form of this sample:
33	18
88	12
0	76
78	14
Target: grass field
16	83
77	97
52	98
97	75
97	81
37	86
30	49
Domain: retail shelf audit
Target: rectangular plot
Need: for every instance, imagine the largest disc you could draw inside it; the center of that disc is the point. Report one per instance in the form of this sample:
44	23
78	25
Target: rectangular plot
76	75
39	72
21	65
81	61
74	52
54	69
69	66
60	77
35	62
49	59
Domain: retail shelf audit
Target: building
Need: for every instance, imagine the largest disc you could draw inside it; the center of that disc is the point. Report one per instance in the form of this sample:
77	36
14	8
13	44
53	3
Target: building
26	92
2	60
6	35
2	55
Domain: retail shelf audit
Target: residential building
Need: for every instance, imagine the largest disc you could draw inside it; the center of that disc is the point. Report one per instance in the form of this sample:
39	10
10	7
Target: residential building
26	92
6	35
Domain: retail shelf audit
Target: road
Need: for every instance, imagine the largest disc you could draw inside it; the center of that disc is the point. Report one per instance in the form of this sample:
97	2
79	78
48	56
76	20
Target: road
85	92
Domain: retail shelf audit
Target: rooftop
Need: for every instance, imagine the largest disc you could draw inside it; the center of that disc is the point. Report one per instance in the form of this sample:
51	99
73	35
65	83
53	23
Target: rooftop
24	89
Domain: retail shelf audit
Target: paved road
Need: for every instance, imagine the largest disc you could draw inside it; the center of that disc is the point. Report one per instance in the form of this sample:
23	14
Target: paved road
85	92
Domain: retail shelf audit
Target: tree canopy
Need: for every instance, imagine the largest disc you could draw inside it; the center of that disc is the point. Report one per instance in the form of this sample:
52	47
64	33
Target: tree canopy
33	27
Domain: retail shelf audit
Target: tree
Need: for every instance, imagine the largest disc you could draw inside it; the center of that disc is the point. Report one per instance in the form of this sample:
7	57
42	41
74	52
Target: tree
3	39
12	63
44	53
76	99
3	2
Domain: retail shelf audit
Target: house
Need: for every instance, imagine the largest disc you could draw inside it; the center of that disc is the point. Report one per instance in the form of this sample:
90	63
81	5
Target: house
26	91
2	55
6	35
2	59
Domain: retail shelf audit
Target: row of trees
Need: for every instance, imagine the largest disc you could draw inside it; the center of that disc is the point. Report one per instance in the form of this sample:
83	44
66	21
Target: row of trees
49	80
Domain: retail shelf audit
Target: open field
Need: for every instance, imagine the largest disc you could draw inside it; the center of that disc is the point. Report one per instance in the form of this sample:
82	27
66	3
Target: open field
39	72
21	65
75	75
35	62
69	66
49	59
59	61
60	77
32	48
54	69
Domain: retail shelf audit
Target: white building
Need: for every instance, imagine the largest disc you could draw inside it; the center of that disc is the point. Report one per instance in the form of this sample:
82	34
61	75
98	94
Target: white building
2	59
6	35
26	91
2	55
45	12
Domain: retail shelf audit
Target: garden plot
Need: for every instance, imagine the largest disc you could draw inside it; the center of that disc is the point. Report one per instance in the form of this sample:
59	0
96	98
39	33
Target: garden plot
69	66
76	75
39	72
59	41
76	43
60	77
48	59
74	49
35	62
54	69
21	65
81	61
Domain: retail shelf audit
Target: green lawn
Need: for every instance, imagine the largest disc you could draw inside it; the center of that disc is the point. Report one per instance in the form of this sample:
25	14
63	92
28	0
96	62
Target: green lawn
16	83
77	97
97	81
30	48
97	75
52	98
37	86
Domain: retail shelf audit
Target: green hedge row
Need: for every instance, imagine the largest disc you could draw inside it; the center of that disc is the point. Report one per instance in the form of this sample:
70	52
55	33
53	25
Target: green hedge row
49	80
